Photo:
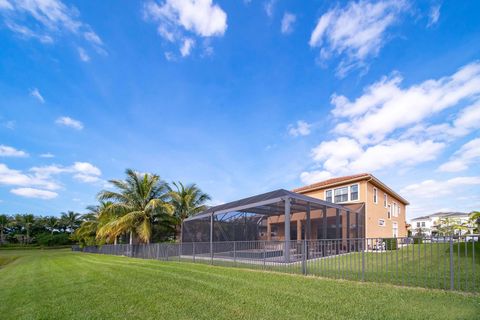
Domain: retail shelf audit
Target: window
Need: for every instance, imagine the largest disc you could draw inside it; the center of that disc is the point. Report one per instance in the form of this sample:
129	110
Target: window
381	222
389	212
423	224
394	209
418	224
341	194
375	198
399	210
354	192
395	229
328	196
385	200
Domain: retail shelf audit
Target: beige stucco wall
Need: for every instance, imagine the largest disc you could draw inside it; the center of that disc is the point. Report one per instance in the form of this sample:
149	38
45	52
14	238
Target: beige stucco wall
373	212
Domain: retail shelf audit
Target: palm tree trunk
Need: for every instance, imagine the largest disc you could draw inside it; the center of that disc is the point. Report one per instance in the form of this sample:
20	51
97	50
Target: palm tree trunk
115	241
131	237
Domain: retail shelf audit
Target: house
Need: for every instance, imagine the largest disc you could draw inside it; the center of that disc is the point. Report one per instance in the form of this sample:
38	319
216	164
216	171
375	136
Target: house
384	209
349	207
432	224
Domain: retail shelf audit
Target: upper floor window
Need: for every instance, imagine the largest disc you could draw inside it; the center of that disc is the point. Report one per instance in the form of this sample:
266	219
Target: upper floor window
341	194
375	195
394	209
328	196
354	192
423	223
389	212
418	224
385	198
381	222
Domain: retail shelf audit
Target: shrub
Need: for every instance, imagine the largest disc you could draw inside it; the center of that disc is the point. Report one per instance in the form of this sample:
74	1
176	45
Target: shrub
417	240
390	243
56	239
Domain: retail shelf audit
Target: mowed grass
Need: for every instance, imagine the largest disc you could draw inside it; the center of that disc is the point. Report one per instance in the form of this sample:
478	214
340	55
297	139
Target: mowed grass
59	284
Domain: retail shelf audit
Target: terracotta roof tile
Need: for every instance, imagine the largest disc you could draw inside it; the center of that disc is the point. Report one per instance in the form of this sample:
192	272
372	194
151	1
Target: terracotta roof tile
332	181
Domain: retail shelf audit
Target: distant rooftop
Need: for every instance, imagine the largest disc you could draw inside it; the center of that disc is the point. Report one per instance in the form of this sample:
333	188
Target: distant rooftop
442	215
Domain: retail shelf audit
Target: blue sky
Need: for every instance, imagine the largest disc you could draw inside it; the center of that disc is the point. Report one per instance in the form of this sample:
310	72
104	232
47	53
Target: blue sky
240	97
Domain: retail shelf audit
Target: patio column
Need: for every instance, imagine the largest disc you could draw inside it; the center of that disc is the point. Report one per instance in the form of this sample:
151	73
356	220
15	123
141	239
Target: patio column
324	222
269	230
308	228
286	249
299	229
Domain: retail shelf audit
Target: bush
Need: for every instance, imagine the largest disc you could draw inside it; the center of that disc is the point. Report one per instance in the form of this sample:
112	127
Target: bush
56	239
417	240
390	243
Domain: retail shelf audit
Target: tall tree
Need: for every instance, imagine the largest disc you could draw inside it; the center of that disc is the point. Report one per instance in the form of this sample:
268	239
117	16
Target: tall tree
139	201
71	220
96	217
50	223
187	201
4	221
475	219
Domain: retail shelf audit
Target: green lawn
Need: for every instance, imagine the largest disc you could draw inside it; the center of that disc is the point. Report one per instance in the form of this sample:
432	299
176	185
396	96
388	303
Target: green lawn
58	284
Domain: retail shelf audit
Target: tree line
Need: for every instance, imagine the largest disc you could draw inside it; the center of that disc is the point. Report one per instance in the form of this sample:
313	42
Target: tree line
141	208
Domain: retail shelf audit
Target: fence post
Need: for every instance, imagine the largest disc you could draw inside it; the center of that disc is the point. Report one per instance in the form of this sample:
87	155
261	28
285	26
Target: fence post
304	257
264	255
193	250
452	275
235	253
363	259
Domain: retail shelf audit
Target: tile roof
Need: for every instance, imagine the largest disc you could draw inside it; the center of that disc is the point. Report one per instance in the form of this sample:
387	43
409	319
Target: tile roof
332	181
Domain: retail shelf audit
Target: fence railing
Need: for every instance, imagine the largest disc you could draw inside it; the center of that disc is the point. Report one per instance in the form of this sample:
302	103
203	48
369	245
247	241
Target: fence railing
451	263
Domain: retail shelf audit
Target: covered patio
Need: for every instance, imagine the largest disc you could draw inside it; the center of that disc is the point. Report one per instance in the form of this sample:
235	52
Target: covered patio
269	219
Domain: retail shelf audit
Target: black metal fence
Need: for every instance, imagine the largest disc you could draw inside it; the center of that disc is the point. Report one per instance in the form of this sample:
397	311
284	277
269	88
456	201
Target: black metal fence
451	263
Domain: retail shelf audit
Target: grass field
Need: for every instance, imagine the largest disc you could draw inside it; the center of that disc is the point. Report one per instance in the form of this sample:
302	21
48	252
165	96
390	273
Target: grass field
59	284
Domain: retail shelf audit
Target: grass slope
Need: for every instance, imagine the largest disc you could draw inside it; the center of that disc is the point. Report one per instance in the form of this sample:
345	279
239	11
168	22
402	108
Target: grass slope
58	284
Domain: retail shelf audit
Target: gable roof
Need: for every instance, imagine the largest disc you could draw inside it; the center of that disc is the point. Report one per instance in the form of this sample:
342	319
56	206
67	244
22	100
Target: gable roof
350	178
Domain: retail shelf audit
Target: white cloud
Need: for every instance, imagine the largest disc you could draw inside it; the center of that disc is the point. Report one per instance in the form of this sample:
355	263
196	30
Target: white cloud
188	43
36	94
7	151
269	6
357	31
181	20
45	20
86	172
9	124
436	189
302	128
69	122
287	22
434	15
385	106
34	193
314	176
47	155
83	54
468	154
346	156
17	178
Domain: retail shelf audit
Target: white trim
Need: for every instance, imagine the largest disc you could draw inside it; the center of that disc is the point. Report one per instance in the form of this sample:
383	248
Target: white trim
385	200
349	193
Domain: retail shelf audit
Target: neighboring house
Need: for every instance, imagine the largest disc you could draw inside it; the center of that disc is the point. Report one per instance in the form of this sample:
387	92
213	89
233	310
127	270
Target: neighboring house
432	224
384	208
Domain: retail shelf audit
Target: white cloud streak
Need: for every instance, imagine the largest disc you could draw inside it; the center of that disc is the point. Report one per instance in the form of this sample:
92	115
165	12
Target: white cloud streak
7	151
179	21
69	122
34	193
301	128
356	32
288	21
461	160
36	94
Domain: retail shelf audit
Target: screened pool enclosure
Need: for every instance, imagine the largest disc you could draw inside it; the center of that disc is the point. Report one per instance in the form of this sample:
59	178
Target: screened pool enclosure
271	227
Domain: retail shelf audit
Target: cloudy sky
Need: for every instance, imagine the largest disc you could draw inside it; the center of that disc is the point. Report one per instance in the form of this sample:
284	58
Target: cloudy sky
240	97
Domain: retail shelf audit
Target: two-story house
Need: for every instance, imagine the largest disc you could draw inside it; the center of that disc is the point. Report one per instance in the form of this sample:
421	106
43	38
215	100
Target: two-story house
381	210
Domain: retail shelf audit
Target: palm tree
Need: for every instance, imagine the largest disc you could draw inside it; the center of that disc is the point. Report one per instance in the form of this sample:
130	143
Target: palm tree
96	218
4	221
139	202
187	201
50	223
71	220
475	219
